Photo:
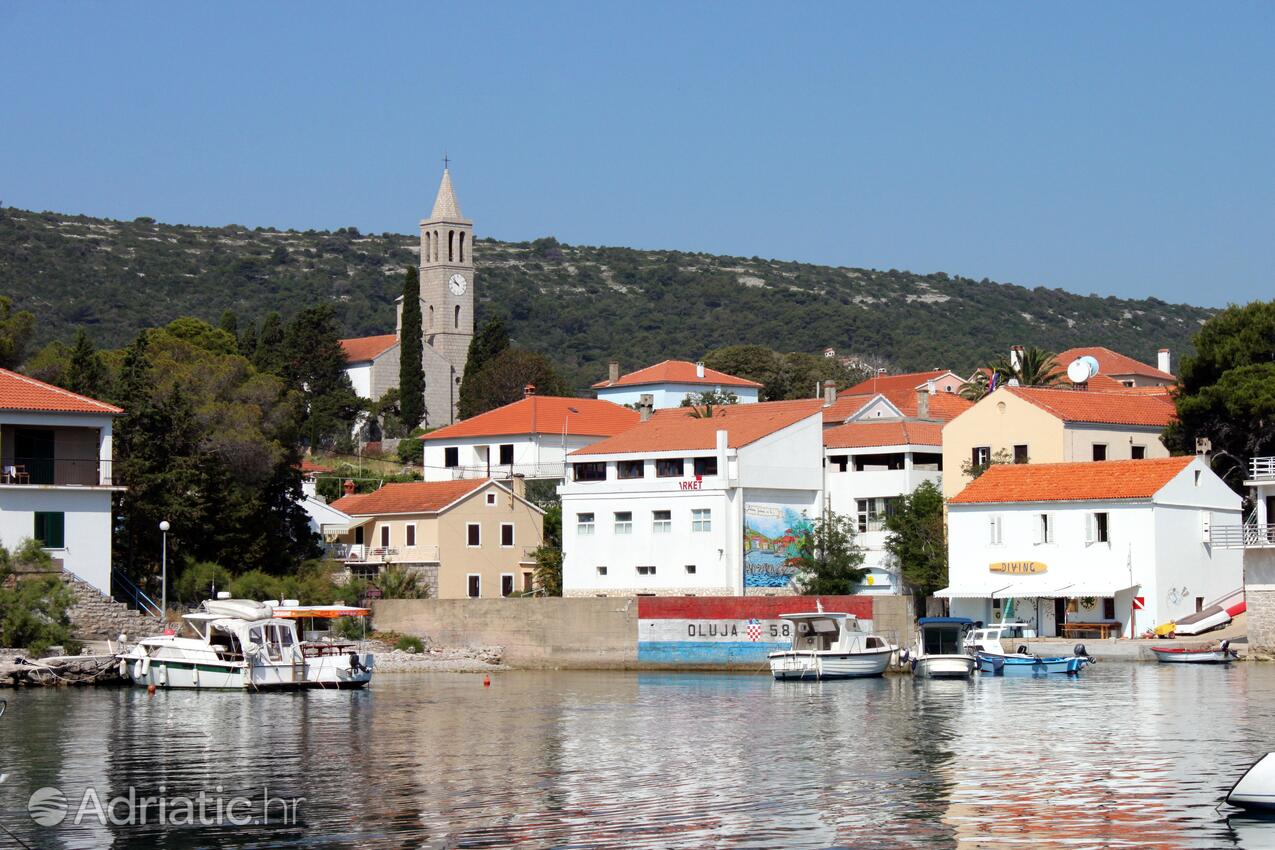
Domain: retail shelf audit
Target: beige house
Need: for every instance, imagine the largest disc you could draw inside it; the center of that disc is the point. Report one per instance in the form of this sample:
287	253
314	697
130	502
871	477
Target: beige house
1053	425
470	538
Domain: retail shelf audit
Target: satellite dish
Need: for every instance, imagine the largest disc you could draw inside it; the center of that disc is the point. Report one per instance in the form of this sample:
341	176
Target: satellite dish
1093	364
1078	371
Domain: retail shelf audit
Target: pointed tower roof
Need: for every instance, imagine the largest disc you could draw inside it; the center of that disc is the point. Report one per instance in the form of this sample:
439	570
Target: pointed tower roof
445	206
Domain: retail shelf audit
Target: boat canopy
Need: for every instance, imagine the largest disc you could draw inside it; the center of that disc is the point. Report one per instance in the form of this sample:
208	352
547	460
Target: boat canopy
322	612
945	621
970	591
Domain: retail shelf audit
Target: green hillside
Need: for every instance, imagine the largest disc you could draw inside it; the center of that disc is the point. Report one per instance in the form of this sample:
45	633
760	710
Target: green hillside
579	305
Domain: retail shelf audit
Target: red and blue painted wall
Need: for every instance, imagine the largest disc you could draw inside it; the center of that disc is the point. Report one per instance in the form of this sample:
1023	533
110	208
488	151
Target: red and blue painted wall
727	630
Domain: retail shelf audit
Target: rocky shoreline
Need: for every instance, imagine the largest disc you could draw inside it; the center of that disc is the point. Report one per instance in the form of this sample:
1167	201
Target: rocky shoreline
436	659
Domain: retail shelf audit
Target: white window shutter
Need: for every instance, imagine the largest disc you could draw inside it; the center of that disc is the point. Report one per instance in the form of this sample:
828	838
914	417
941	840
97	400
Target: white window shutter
1090	522
1040	528
991	529
999	529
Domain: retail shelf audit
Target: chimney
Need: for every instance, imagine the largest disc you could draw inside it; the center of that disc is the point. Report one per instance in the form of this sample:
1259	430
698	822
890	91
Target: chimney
829	392
528	391
519	485
922	404
699	370
931	387
1162	361
645	406
1016	356
348	487
613	372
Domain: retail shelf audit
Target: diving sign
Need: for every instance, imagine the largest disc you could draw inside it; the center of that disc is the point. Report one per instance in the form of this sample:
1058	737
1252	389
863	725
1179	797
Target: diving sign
1139	602
1017	568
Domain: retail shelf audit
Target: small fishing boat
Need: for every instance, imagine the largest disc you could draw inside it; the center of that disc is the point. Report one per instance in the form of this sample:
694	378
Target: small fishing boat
940	651
1221	654
1025	664
827	645
1256	788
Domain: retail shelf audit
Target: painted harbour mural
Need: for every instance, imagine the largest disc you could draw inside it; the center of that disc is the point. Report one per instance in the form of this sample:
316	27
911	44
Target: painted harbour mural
772	538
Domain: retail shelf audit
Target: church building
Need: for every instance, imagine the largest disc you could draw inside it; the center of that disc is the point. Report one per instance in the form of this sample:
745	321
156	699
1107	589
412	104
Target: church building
447	316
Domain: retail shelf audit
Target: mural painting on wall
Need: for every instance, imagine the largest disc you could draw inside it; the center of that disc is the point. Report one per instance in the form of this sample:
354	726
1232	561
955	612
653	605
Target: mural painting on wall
772	538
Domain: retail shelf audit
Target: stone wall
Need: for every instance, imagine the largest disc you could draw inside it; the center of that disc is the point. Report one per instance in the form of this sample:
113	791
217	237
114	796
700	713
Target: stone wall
1259	575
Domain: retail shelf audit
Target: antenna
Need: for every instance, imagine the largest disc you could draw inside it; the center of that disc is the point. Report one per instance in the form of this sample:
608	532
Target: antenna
1080	370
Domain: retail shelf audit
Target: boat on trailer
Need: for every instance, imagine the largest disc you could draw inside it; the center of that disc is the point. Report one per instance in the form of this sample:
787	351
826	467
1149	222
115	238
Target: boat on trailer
940	648
241	644
828	645
1221	654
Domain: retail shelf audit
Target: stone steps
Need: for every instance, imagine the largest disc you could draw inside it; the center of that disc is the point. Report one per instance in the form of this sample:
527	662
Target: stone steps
95	616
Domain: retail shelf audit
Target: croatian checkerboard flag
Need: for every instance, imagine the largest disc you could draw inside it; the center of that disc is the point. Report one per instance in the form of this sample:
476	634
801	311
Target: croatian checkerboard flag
754	630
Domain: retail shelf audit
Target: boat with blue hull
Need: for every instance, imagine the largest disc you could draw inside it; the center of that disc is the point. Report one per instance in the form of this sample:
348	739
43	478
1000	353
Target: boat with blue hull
1034	666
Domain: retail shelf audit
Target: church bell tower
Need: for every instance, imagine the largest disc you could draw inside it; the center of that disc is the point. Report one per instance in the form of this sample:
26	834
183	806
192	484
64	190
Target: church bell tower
447	295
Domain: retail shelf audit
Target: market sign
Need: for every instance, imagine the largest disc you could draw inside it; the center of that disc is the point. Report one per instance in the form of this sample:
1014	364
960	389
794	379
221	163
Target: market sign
1017	568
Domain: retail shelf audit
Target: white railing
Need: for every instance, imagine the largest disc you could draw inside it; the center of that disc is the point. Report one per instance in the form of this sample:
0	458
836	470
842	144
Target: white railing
1261	468
549	471
1247	536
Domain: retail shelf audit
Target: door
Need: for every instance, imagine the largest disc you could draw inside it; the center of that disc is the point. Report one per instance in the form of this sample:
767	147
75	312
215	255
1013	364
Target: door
1060	615
1270	518
33	449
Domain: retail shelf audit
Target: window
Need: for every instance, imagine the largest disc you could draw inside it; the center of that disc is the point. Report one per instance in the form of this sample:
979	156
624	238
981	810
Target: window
701	519
411	534
661	522
584	524
1099	451
602	571
473	534
927	461
385	537
631	468
1108	609
491	499
872	512
1199	604
475	585
451	245
1138	452
879	462
705	466
624	522
839	462
451	456
589	471
457	317
1020	454
690	569
506	534
981	455
1097	528
668	467
462	246
646	571
50	529
1044	528
996	530
506	584
506	454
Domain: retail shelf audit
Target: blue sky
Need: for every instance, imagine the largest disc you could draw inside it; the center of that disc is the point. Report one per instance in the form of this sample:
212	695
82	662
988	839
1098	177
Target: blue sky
1121	149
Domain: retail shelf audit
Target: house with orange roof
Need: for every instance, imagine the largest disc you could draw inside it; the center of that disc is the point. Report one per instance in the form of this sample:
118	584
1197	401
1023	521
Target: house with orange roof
1053	425
933	381
1085	548
686	504
670	382
1125	370
530	438
56	480
471	538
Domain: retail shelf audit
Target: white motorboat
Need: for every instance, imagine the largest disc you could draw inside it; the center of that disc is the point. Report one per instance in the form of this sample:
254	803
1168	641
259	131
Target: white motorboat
239	643
987	639
828	645
1256	788
940	651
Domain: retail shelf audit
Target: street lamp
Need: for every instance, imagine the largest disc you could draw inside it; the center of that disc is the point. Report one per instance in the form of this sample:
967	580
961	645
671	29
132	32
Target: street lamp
163	598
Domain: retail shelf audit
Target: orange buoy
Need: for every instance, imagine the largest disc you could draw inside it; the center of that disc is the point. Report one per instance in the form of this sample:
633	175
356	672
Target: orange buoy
486	681
150	690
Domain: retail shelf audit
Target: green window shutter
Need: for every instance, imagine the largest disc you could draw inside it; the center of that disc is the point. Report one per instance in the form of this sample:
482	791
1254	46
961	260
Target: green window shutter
50	530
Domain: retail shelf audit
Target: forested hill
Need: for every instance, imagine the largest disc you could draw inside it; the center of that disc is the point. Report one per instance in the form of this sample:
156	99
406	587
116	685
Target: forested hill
579	305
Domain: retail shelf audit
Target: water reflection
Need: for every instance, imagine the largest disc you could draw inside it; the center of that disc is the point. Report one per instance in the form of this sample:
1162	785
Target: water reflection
1126	755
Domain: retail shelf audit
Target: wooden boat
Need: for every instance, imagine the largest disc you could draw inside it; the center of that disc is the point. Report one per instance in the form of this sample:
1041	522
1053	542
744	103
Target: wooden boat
1222	654
1256	788
1035	666
940	648
828	645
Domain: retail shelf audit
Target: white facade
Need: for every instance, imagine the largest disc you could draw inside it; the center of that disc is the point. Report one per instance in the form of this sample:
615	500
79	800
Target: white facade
863	483
533	456
64	492
671	395
1156	549
683	534
360	375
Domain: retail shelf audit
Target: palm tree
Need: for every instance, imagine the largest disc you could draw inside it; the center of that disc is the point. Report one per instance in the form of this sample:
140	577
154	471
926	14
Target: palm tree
1035	368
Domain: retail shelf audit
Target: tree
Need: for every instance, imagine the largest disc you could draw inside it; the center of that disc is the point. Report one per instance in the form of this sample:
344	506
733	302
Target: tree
755	363
916	540
268	356
85	373
1226	391
229	323
548	555
1035	367
411	371
974	470
829	560
248	341
33	610
314	362
503	380
703	404
15	332
490	341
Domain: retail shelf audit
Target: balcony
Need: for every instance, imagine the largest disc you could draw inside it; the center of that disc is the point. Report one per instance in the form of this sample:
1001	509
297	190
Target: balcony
1261	469
55	472
1246	536
530	471
358	553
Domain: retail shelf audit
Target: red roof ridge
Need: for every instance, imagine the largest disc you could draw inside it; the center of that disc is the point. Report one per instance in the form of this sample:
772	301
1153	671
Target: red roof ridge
544	414
1072	481
884	432
675	372
1108	407
67	401
743	423
409	497
1112	362
360	348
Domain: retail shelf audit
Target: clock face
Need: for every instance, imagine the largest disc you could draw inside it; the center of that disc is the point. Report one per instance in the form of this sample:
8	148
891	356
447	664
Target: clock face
457	284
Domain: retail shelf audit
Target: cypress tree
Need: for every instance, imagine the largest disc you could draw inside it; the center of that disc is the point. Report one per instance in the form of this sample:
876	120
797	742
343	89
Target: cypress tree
85	374
269	354
411	374
230	323
489	342
248	342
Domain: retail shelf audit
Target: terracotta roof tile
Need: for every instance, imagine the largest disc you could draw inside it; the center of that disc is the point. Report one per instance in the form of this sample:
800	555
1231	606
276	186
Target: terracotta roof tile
361	348
1106	408
18	392
544	414
1112	363
1069	482
674	429
892	433
903	381
943	406
676	372
411	497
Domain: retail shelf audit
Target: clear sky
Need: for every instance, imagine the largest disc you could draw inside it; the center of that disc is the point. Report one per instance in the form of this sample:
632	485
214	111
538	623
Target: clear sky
1116	148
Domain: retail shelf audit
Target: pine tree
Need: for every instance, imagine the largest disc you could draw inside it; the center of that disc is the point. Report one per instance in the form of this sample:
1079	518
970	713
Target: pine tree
411	373
489	342
314	363
230	323
85	373
248	342
268	356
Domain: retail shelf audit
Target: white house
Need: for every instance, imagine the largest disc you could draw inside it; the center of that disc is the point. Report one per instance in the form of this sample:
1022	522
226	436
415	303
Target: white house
869	467
55	474
531	437
681	505
1080	542
670	382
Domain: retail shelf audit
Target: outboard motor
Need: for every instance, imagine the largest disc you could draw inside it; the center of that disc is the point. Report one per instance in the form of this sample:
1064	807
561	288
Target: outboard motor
356	666
1022	649
1079	651
1226	645
904	655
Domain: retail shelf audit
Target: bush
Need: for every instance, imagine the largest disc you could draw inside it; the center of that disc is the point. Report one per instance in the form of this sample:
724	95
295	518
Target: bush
408	643
256	585
33	614
350	628
401	583
200	581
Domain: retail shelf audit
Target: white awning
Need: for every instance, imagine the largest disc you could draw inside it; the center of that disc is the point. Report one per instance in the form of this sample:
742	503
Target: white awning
969	591
1044	590
1100	589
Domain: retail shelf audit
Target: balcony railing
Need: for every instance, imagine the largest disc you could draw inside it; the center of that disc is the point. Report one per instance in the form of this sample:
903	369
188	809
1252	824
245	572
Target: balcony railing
1262	468
1247	536
545	471
358	553
68	472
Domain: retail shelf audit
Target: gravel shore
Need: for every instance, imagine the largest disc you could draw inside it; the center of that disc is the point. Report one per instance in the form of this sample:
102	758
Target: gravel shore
436	659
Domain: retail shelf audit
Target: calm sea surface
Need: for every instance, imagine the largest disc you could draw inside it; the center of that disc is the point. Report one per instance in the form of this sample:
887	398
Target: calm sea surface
1126	756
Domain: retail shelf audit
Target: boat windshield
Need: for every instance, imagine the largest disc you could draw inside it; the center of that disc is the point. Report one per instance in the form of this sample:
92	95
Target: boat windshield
941	640
817	634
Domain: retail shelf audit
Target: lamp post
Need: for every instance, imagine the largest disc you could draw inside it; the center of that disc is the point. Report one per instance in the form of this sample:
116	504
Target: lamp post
163	597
